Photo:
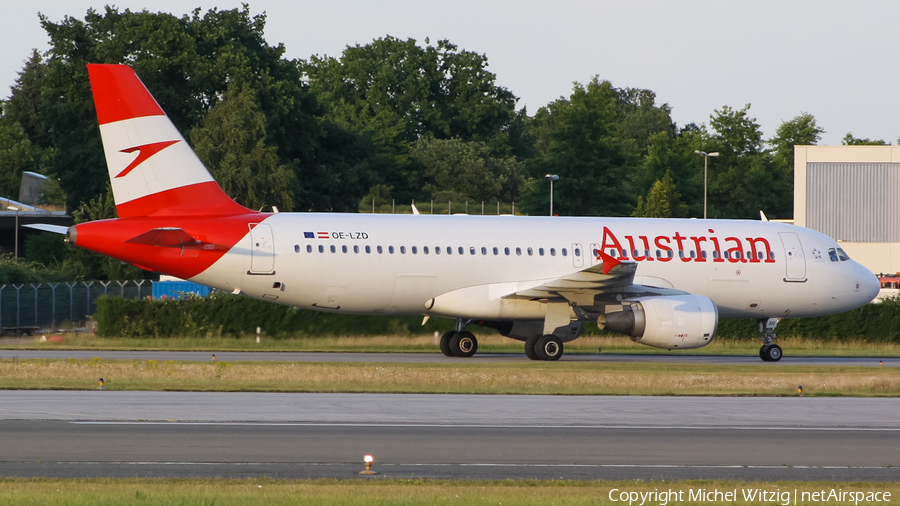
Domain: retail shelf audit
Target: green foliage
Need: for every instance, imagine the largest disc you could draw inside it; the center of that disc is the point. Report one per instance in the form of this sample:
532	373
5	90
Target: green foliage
849	140
576	139
468	171
232	145
674	156
24	103
45	248
394	92
799	131
230	315
17	155
742	180
663	201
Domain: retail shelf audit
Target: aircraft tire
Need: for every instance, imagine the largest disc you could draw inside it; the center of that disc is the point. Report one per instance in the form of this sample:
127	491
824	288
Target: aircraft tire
463	344
548	347
762	353
445	343
529	347
773	353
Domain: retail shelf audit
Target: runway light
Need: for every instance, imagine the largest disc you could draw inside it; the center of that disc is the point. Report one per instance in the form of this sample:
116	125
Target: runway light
101	384
880	363
214	357
368	459
800	389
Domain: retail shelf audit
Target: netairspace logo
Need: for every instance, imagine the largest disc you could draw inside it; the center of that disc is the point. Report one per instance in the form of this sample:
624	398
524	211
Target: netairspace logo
755	495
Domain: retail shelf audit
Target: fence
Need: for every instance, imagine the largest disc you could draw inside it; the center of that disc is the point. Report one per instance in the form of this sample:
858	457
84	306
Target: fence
29	305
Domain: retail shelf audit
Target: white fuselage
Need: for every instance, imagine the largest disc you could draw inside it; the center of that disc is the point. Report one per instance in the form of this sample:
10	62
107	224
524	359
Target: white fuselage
369	264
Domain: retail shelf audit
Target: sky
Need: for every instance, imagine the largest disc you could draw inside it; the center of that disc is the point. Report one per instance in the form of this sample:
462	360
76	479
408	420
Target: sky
833	59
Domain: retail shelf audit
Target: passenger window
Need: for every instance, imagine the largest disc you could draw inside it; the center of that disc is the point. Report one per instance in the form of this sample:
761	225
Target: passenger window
715	255
437	250
624	253
321	249
553	252
577	252
634	253
530	252
771	255
471	250
693	254
344	248
425	249
391	250
541	251
414	250
564	252
368	249
296	248
680	253
703	254
506	250
449	250
379	250
483	250
309	248
460	250
496	251
356	249
333	249
519	251
658	254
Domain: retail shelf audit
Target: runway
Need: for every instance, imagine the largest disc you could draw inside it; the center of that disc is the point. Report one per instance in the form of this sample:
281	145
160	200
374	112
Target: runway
447	436
243	356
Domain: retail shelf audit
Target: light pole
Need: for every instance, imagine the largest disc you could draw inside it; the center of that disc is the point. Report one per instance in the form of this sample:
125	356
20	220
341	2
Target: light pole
16	209
705	165
552	178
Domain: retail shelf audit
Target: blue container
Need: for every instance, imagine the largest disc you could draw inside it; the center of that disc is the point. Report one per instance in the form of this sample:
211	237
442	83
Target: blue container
177	289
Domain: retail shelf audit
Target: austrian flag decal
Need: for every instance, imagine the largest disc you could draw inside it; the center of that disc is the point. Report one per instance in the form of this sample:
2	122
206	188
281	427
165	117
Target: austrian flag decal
144	152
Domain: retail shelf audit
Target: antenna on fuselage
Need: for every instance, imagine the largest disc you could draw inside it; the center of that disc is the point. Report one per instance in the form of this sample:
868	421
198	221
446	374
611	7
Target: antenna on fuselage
762	216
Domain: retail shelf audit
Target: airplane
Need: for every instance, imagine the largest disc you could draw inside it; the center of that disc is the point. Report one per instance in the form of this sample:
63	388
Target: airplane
663	282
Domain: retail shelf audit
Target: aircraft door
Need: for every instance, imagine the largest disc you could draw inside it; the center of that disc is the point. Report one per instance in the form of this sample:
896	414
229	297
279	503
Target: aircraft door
577	258
795	261
592	254
262	249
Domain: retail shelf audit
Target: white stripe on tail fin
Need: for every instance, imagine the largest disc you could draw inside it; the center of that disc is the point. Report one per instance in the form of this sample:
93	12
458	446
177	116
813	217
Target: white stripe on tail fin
152	169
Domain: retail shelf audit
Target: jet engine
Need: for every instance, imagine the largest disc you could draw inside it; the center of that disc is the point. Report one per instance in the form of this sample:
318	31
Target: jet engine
675	321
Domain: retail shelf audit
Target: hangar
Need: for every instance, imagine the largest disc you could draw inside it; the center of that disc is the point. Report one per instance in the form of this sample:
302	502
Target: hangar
852	194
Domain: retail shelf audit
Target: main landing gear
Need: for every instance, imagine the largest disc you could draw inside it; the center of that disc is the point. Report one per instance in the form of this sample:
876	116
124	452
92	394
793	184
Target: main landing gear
547	347
769	352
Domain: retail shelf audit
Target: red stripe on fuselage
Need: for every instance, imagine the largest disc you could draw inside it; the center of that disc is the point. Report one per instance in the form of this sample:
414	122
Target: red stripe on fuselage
217	235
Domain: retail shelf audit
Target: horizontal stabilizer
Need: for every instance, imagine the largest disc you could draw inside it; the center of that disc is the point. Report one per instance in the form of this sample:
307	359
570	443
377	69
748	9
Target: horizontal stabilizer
165	237
56	229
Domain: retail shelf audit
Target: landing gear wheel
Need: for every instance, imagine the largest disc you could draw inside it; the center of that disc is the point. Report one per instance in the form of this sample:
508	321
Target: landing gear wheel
463	344
529	347
772	353
445	343
548	347
762	353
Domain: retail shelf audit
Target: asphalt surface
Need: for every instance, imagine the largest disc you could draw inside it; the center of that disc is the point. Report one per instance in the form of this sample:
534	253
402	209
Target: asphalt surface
241	356
180	434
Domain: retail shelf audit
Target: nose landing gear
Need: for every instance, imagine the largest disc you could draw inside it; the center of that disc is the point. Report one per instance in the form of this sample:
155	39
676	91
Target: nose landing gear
769	352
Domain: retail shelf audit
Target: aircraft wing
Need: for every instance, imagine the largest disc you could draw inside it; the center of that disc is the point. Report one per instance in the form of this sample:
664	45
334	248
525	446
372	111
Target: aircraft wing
610	280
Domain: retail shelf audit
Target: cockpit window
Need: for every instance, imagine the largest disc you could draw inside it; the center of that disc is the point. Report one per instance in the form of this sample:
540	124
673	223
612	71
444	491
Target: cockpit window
832	254
842	256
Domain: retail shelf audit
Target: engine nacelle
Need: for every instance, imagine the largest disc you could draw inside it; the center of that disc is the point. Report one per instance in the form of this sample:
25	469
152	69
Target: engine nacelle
676	321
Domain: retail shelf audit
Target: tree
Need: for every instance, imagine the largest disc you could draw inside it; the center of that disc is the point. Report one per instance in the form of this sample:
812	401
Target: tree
577	139
394	91
188	64
742	180
849	140
23	108
673	157
663	201
460	170
802	130
232	145
17	155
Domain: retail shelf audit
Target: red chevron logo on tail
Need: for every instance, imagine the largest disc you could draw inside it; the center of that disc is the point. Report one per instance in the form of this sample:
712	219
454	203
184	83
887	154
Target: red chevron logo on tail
144	152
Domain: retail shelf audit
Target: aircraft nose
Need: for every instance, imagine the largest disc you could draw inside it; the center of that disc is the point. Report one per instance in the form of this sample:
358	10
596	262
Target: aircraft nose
868	283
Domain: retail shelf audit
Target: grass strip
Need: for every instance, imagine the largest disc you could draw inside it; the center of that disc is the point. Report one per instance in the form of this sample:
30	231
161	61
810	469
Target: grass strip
102	492
461	377
429	344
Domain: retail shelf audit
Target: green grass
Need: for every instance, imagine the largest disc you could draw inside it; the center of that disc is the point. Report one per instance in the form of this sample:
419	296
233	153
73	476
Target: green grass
426	344
454	376
379	491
